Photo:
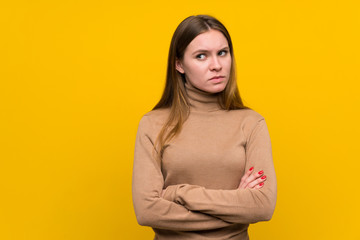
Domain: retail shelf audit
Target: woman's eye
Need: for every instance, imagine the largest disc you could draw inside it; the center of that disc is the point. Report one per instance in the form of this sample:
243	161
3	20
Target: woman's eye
222	53
200	56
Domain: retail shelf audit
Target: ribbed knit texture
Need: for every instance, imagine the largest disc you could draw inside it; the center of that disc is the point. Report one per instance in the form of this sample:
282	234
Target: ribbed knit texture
200	173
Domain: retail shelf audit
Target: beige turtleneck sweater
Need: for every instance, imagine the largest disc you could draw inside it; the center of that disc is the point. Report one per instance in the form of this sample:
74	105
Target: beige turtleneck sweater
200	173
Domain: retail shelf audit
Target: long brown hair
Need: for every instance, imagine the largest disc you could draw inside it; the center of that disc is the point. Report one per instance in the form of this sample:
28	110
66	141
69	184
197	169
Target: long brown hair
174	96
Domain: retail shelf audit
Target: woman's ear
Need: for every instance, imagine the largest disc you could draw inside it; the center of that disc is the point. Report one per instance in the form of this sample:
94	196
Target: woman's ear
179	67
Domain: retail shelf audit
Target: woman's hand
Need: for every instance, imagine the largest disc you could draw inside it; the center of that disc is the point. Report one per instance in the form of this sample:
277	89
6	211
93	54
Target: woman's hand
252	179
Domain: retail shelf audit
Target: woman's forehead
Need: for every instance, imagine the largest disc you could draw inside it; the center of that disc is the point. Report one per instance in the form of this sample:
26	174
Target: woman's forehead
209	40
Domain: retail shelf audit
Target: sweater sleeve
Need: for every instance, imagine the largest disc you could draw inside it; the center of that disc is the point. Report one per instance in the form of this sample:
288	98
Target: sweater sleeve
147	184
239	205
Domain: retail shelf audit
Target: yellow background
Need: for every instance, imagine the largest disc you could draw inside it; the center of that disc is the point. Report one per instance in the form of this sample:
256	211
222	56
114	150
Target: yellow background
76	77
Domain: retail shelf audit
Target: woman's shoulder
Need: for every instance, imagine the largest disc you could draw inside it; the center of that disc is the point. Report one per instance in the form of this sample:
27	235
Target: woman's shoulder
247	114
157	114
247	119
155	117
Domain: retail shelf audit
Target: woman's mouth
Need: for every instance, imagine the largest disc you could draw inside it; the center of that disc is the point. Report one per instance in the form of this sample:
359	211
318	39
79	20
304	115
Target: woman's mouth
217	78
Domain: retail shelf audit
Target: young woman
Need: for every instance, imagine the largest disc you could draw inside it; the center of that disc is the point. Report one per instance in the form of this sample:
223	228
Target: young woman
203	164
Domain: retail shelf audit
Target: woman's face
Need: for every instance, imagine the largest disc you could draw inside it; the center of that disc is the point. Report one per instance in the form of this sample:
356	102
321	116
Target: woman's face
207	62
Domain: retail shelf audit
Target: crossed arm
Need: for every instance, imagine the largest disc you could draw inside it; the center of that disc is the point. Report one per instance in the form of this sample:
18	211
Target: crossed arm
187	207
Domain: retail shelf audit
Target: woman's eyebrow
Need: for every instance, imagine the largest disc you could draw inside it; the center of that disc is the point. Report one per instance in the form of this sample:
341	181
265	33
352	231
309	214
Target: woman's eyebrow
205	50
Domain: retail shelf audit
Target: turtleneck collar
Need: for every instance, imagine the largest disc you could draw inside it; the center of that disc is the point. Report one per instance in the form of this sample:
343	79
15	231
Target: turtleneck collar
200	100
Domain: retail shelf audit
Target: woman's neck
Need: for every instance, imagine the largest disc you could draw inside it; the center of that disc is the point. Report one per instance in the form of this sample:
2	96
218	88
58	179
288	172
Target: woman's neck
200	100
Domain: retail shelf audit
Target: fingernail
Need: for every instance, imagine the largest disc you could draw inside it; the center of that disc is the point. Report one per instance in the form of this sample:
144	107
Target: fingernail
261	184
263	177
251	168
261	172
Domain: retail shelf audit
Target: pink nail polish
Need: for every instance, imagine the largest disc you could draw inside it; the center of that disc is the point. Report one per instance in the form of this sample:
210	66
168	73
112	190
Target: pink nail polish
261	184
251	168
263	177
261	172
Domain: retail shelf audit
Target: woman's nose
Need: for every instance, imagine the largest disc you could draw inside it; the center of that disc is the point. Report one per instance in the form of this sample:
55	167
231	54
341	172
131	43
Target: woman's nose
215	64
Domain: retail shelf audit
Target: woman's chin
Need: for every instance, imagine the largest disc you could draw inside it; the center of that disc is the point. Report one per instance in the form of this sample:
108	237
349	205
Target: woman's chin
216	88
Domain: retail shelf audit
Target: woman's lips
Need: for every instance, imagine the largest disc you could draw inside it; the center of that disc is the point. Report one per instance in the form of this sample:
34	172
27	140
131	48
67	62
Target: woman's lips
217	78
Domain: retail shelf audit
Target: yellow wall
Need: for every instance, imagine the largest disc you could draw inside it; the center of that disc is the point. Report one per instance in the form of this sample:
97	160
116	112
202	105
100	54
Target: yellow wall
76	76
